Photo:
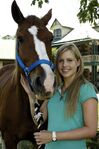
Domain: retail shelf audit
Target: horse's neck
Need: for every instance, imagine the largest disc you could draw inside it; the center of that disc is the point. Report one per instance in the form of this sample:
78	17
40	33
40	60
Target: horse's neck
9	79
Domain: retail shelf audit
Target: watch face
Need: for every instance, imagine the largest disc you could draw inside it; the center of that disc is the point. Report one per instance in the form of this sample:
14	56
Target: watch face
54	136
54	139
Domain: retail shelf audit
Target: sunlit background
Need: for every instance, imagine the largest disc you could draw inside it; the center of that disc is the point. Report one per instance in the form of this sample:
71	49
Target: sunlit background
64	10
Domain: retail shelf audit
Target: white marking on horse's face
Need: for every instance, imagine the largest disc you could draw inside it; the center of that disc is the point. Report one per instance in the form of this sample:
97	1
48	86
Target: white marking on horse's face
41	52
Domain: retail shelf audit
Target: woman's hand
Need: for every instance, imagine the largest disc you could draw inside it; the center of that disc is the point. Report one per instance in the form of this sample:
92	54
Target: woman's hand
43	137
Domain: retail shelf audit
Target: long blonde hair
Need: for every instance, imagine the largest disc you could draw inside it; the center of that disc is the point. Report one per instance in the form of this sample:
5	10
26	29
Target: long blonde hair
73	89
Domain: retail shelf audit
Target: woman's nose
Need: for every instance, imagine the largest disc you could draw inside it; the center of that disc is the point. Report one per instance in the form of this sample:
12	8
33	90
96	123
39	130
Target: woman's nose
65	63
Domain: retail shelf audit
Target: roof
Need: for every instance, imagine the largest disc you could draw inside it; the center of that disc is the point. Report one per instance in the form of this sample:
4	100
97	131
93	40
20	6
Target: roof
79	33
56	20
7	49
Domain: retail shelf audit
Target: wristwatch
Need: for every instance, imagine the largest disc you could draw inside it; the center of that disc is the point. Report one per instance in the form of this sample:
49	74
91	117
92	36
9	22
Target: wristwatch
53	136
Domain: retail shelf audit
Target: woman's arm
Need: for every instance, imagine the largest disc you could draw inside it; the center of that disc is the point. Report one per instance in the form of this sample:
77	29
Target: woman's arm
43	109
88	131
26	87
31	96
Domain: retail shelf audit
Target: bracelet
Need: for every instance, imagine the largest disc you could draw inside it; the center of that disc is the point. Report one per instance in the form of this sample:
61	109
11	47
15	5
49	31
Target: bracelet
53	136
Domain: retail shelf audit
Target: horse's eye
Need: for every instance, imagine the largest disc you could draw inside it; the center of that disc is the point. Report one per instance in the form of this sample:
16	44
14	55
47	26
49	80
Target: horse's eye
20	39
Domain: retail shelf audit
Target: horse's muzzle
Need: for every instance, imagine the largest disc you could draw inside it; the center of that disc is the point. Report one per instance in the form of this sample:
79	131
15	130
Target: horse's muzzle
39	89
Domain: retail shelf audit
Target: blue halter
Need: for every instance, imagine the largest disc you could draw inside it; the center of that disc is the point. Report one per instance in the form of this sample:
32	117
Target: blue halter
27	70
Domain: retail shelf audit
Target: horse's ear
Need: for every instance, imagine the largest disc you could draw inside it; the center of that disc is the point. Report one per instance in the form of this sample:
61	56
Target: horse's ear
47	17
16	13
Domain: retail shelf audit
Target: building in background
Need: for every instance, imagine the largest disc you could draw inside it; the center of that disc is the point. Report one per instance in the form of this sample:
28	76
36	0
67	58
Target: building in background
59	31
84	36
7	50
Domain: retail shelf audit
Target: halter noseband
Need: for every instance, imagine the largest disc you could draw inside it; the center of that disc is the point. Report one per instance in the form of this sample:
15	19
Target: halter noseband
27	70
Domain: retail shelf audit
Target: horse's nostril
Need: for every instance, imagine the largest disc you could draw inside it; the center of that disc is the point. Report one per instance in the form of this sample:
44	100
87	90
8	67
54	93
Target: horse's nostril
54	84
48	94
38	81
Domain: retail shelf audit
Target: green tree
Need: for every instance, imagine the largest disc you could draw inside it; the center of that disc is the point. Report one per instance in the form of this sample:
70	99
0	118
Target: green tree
39	2
88	11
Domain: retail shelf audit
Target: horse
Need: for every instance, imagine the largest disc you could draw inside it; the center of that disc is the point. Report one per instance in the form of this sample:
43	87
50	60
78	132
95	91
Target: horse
33	61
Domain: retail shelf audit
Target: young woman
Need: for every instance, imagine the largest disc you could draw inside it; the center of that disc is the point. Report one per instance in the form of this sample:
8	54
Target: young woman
72	110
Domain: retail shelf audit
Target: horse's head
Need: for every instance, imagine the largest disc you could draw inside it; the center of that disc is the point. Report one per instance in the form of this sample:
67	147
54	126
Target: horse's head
33	50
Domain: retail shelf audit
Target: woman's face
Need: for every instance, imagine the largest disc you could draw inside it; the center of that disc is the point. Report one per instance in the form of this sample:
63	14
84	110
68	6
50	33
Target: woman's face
67	64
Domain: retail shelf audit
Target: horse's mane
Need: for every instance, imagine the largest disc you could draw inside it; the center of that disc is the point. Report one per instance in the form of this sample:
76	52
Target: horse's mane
8	79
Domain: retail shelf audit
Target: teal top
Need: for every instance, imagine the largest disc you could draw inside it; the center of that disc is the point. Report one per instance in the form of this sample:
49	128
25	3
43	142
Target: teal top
57	120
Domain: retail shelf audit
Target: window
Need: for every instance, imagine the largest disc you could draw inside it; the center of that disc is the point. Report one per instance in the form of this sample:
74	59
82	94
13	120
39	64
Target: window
57	34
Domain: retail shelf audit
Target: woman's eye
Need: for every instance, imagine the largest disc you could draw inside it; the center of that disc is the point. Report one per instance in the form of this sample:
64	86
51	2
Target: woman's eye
70	60
61	61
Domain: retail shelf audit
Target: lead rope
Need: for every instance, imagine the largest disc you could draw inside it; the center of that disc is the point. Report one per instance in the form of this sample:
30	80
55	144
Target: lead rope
38	116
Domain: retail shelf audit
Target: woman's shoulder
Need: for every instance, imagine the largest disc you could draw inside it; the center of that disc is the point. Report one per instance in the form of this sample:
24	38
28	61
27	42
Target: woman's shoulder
87	85
87	91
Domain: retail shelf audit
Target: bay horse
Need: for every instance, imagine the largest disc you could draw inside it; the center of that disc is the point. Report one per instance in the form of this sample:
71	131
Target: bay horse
33	54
